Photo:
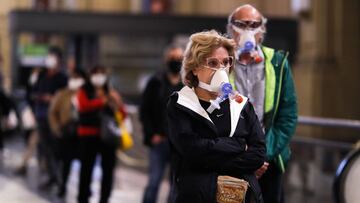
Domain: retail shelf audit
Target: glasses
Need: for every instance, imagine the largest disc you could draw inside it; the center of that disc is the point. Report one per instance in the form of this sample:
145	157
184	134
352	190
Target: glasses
243	24
215	63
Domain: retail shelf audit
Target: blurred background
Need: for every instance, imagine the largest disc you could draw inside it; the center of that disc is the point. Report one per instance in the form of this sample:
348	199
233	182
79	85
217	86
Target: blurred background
129	37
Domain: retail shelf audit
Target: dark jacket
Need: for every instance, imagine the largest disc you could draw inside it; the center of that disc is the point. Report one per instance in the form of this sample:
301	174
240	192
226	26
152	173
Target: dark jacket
200	154
153	106
47	85
6	104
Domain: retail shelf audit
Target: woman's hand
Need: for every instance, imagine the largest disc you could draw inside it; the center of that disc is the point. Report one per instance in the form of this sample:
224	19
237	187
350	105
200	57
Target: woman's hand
105	100
100	93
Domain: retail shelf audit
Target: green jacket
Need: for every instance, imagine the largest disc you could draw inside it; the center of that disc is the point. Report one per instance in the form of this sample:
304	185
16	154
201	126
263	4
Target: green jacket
280	105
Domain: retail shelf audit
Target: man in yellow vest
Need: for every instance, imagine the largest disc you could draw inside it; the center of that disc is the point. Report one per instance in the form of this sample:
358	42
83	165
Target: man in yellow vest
264	76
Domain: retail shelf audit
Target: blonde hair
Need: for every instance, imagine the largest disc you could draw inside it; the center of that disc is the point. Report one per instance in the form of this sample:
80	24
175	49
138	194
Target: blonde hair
199	47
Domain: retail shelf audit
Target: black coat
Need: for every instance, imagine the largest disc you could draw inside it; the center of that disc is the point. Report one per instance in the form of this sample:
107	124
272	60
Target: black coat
200	155
153	106
6	104
47	85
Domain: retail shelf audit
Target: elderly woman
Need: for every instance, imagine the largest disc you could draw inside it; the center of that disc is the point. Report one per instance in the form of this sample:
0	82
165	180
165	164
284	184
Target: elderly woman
227	141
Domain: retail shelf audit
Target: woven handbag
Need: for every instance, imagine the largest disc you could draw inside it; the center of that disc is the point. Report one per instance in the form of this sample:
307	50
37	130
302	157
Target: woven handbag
231	190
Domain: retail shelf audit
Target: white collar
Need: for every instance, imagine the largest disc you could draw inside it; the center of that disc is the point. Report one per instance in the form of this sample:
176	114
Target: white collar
188	99
235	112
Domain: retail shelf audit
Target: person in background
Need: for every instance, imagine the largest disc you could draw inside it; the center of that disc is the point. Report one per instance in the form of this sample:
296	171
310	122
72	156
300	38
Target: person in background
50	82
7	110
153	117
6	107
71	65
63	121
94	98
157	6
29	123
264	75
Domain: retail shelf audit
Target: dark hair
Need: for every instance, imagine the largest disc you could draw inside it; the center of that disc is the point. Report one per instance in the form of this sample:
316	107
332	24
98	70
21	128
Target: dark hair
81	73
55	51
98	69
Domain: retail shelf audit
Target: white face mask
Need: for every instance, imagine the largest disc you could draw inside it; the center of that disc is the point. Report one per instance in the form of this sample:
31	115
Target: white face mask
220	77
247	42
51	62
98	79
75	83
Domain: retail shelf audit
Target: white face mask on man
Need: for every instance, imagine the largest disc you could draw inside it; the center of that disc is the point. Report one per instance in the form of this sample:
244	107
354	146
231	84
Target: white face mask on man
98	79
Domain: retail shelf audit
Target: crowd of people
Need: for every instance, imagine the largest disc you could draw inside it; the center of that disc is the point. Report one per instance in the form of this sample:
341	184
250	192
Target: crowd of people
66	110
225	106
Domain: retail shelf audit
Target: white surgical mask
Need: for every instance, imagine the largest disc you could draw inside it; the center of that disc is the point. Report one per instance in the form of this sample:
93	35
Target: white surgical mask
220	77
75	83
51	62
98	79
